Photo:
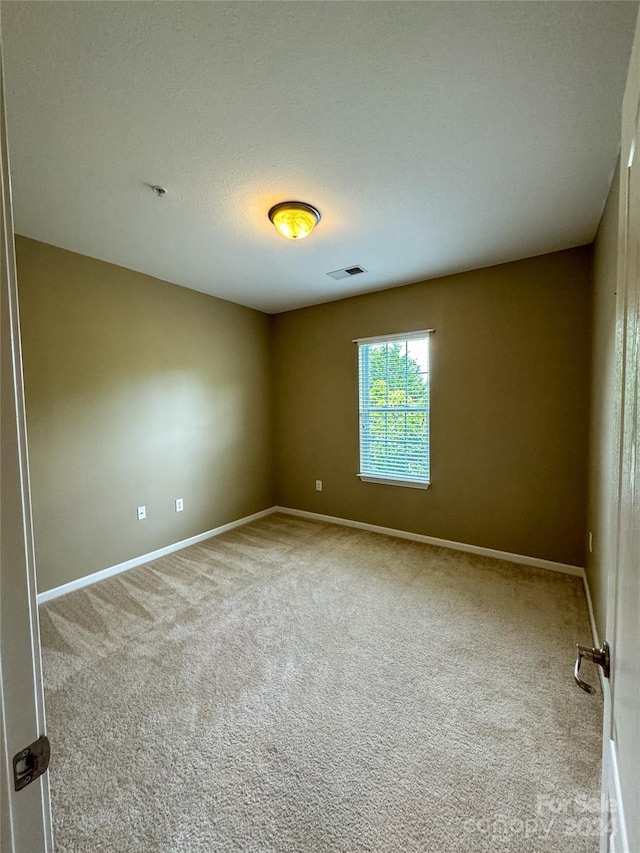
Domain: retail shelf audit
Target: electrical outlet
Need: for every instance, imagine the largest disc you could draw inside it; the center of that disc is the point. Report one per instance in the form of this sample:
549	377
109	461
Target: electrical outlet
179	504
590	542
142	513
318	485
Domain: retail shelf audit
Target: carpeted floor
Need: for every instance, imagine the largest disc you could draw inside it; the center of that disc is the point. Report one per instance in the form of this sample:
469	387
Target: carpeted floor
293	686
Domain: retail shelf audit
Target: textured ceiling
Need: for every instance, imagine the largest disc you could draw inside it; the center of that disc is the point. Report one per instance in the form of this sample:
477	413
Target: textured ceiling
434	137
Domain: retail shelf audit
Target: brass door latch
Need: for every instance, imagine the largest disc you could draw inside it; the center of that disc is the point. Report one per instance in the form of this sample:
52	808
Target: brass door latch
31	762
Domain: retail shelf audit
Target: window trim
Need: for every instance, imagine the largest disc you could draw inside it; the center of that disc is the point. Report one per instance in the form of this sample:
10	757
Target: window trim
399	336
382	479
394	481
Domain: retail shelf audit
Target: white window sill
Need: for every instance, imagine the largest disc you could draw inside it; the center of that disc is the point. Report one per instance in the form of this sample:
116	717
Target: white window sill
392	481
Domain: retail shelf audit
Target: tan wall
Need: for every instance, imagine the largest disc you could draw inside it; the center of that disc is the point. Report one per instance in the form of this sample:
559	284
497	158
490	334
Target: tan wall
510	384
138	392
599	519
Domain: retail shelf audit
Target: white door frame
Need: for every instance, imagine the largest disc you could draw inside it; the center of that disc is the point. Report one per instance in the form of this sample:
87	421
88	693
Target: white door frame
26	814
614	838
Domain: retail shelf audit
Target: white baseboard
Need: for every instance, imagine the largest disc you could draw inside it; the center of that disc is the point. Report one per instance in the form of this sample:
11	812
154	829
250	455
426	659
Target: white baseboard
592	618
441	543
49	594
605	684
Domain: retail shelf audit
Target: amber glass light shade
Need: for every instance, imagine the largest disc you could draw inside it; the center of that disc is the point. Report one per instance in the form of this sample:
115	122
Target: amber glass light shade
294	219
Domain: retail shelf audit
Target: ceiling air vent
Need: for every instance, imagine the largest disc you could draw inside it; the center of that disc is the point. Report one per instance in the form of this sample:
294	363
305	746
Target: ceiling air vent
347	272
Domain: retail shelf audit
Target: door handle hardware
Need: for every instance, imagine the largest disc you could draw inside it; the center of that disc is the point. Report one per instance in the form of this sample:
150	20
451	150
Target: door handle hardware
599	656
31	762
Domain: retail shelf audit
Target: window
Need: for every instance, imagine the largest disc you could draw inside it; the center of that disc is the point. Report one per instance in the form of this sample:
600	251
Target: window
394	409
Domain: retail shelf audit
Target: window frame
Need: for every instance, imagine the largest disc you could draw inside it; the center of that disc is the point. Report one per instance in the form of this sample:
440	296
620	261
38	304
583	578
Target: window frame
375	477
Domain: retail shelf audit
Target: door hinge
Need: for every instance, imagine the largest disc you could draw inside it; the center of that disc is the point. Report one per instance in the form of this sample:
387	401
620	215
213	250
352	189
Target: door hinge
31	762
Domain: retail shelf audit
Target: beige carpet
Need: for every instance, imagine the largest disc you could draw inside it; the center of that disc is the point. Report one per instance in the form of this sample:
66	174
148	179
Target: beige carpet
293	686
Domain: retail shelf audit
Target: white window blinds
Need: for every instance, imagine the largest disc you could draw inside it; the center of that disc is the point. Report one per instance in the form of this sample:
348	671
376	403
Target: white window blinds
394	408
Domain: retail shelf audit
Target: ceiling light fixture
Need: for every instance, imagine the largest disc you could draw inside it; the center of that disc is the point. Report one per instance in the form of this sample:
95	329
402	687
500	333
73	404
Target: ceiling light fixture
294	219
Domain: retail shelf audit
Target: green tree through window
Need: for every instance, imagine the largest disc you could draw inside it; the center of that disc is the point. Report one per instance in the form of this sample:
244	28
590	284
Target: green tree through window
394	409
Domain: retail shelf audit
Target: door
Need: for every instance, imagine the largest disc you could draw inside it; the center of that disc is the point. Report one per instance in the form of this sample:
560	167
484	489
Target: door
621	735
25	814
